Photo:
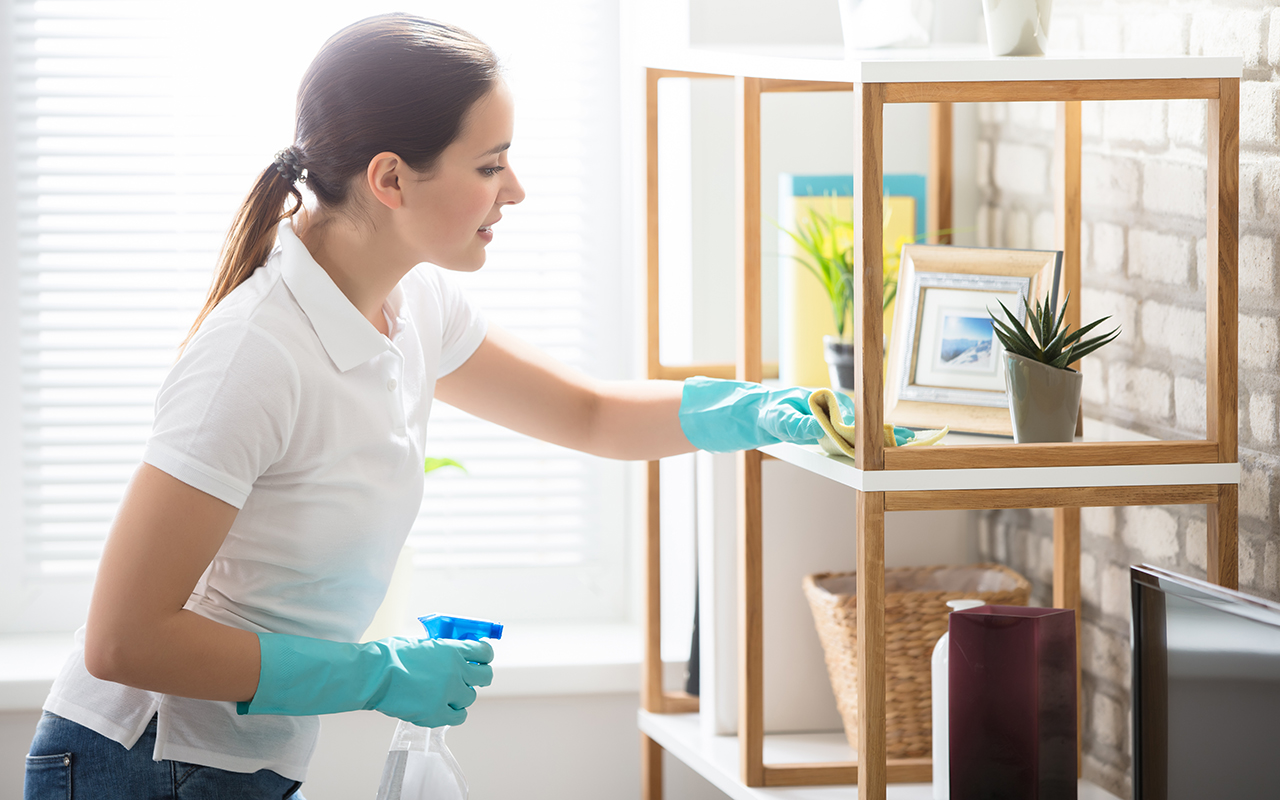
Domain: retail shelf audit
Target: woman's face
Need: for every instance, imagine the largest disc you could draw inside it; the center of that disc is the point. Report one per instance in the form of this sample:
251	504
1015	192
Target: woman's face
451	209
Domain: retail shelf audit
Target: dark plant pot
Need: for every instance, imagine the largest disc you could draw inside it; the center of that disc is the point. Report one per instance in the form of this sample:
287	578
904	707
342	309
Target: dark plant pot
840	362
1043	400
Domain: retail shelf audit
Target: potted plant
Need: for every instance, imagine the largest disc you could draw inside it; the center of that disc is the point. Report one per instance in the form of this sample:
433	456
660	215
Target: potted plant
827	241
1044	393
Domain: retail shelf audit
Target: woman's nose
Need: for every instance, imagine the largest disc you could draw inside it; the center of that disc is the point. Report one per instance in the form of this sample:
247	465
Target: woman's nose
513	192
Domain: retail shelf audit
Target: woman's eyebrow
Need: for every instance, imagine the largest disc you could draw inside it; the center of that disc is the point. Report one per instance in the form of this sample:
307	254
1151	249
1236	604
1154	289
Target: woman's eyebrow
495	150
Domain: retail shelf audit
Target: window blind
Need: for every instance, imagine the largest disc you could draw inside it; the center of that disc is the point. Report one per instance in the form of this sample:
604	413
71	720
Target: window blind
140	126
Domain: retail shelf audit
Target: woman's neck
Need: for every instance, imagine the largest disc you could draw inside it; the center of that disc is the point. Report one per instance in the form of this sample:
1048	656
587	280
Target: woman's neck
364	266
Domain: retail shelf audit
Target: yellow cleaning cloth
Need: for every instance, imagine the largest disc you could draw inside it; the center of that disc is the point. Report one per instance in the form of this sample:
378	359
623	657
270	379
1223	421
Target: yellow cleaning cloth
840	438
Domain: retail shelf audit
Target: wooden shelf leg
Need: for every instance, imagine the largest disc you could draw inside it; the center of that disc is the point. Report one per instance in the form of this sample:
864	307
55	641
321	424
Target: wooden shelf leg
651	684
750	621
750	603
1066	594
939	187
868	314
1067	159
650	769
654	366
872	753
1222	557
747	99
1222	302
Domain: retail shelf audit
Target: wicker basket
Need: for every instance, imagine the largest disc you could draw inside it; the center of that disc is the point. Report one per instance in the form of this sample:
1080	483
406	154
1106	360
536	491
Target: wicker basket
915	617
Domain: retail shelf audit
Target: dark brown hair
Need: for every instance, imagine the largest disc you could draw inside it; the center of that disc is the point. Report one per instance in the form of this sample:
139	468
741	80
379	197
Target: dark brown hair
393	82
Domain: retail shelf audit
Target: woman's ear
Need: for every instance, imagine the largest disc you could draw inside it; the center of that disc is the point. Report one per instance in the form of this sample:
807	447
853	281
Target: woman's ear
383	176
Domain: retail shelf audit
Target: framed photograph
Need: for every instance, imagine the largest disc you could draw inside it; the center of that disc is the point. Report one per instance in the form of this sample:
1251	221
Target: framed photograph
944	365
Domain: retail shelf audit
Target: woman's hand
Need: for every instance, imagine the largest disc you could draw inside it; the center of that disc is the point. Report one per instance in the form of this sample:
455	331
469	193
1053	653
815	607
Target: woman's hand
429	682
723	416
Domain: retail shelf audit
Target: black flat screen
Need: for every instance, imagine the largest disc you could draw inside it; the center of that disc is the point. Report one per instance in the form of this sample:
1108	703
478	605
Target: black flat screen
1206	690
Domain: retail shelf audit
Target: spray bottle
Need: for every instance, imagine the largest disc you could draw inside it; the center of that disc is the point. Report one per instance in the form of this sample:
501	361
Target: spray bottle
419	765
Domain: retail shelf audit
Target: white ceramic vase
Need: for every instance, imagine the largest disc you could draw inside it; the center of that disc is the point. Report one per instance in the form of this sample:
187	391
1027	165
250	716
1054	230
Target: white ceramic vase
1017	27
940	664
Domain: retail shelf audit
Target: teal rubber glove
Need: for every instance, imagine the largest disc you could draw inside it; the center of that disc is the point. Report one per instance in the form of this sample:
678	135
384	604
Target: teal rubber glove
424	681
723	416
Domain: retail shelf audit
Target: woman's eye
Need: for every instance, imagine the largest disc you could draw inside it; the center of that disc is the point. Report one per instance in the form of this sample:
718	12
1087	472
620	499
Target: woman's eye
489	172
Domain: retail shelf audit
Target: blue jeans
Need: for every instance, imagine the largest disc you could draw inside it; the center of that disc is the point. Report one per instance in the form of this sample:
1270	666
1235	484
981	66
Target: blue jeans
68	761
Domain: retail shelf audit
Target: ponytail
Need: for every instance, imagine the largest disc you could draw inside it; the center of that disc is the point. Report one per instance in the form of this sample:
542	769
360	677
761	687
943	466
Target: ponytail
253	233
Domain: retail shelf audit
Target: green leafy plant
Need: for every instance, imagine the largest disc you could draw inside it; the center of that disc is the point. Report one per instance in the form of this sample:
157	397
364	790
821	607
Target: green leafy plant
433	464
1045	336
828	241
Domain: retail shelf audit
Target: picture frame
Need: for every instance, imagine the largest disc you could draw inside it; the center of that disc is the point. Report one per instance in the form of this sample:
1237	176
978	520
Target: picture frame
944	365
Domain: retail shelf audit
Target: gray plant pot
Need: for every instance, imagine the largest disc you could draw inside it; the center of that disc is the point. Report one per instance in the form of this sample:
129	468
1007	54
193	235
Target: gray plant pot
840	362
1043	400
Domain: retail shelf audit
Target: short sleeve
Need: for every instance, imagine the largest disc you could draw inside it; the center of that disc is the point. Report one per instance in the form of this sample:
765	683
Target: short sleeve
225	413
463	324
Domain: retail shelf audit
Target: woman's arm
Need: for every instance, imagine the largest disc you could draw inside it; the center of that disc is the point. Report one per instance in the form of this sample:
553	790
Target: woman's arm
164	536
515	385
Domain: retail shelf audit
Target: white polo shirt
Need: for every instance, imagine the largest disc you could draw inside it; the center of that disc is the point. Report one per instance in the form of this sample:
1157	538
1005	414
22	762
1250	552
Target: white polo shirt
289	405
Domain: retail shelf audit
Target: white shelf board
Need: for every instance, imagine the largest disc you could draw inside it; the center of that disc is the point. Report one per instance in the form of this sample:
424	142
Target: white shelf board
716	759
842	470
950	64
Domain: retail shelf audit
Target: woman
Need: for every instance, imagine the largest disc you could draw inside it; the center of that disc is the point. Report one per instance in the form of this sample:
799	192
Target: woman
284	468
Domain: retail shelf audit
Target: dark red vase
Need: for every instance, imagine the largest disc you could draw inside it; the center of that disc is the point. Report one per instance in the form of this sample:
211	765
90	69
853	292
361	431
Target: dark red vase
1012	691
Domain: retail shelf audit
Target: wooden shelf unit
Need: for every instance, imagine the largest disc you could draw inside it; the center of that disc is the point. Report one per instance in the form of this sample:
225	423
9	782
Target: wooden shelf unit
1064	477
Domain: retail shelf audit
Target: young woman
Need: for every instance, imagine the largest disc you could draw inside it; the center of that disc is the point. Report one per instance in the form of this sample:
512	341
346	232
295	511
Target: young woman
284	468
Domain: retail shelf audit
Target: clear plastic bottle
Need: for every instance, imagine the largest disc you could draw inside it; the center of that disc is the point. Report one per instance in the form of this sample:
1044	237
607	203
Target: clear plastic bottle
419	765
941	695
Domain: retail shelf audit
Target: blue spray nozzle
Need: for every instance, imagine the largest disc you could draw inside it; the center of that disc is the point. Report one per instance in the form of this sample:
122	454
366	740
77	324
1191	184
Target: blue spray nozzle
440	626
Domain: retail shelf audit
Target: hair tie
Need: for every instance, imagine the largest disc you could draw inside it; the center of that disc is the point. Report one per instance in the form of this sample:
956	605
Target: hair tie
286	163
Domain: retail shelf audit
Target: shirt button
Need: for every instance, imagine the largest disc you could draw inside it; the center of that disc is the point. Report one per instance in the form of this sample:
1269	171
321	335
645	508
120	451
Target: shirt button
391	385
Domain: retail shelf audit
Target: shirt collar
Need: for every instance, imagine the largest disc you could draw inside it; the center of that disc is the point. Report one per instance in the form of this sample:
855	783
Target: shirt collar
348	338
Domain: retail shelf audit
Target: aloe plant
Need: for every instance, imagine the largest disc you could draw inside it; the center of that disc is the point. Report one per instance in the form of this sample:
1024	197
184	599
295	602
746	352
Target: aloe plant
1046	338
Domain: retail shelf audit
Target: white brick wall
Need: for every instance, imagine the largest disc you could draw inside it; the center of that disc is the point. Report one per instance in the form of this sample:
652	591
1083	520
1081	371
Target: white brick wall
1187	120
1257	269
1109	182
1022	169
1229	33
1140	389
1179	330
1159	257
1108	248
1258	113
1189	398
1141	121
1258	339
1174	189
1156	33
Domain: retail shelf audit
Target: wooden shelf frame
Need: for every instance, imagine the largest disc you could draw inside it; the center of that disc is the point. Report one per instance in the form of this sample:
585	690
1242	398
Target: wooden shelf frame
873	770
